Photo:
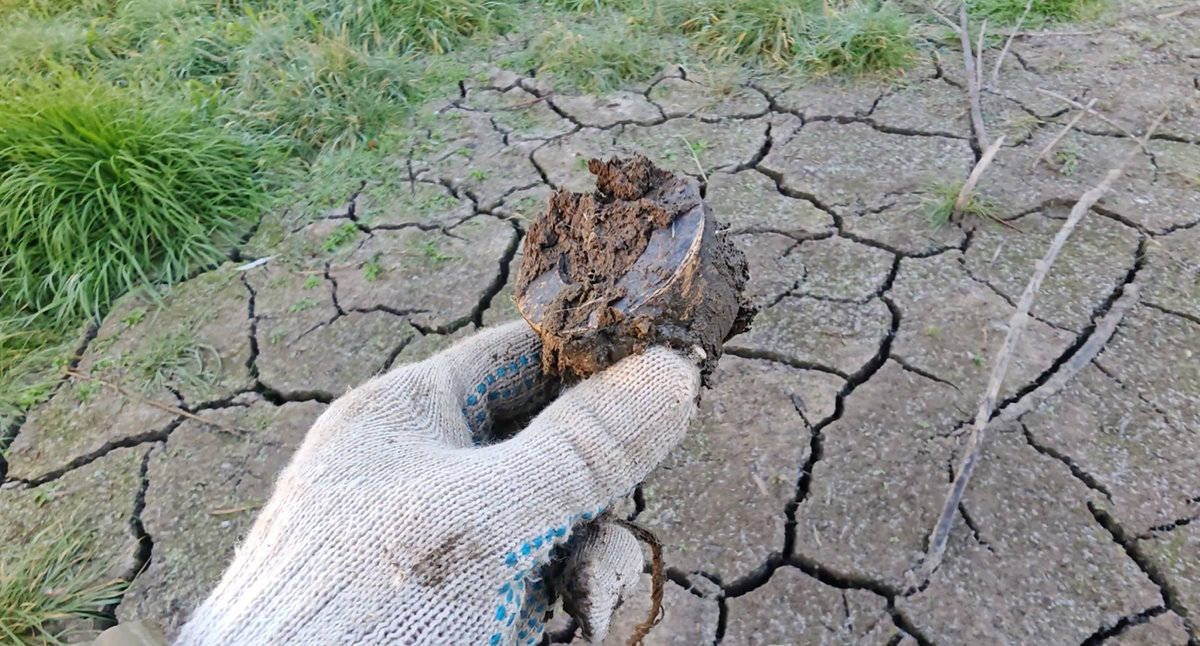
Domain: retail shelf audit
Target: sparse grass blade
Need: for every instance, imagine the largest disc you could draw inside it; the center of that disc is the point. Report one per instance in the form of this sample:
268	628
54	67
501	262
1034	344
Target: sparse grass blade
102	190
50	578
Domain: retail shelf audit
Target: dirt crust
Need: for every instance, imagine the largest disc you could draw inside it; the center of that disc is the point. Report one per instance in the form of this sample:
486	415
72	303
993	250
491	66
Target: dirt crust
641	261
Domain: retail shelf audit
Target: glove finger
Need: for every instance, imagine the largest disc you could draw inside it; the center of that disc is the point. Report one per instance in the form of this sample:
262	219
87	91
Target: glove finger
594	443
453	397
495	374
599	576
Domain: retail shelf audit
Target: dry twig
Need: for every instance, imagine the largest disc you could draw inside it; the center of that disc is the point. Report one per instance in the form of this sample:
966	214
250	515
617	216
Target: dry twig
1008	43
658	578
974	447
164	407
231	511
1057	138
964	194
1079	106
972	80
1092	347
979	54
695	159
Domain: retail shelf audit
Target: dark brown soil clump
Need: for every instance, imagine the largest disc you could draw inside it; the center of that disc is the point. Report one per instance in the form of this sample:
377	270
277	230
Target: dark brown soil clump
639	262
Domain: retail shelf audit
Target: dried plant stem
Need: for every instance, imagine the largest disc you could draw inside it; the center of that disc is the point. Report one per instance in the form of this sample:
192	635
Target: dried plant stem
974	446
1088	351
696	159
972	80
979	54
1008	43
964	194
175	410
1079	106
1059	137
658	578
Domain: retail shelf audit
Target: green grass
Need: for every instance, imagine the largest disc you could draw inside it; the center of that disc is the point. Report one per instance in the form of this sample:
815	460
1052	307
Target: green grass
857	43
102	189
1007	12
730	30
51	578
597	55
841	37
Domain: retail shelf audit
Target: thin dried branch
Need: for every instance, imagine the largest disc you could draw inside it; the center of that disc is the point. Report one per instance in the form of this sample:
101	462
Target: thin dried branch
979	54
974	447
968	187
981	137
175	410
1059	137
1079	106
1052	34
1008	43
1092	347
937	14
695	159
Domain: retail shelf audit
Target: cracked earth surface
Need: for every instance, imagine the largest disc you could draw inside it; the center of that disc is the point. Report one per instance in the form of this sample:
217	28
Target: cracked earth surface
806	490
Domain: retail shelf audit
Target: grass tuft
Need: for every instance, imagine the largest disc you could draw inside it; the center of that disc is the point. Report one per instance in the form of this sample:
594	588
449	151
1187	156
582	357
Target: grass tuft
1042	12
176	360
818	37
102	190
51	578
600	55
857	42
939	200
324	93
436	26
728	30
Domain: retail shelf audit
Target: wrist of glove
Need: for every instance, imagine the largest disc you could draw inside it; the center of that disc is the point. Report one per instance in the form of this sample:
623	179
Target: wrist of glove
402	520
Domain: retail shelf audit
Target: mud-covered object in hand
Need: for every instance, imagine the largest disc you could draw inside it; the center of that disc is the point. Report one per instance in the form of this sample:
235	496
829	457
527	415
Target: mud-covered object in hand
641	261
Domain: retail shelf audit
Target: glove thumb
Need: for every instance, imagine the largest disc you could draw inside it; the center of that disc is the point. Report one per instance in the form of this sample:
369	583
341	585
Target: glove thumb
599	576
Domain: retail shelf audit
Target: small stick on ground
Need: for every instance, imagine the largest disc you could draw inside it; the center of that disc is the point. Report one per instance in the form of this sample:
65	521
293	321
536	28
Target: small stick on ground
1080	106
1008	43
696	159
1059	137
1092	347
164	407
981	137
979	55
974	447
964	194
942	17
527	103
658	578
1051	34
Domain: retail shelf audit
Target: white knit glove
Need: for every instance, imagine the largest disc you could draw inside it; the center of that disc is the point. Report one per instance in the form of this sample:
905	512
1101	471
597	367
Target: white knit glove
396	522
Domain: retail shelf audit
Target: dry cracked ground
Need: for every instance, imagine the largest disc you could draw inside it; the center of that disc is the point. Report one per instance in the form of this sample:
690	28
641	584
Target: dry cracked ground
792	511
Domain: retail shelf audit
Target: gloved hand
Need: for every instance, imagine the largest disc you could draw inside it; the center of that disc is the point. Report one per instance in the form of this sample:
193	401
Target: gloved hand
397	522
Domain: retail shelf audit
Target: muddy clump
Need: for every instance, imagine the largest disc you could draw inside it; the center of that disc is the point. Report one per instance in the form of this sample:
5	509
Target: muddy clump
641	261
